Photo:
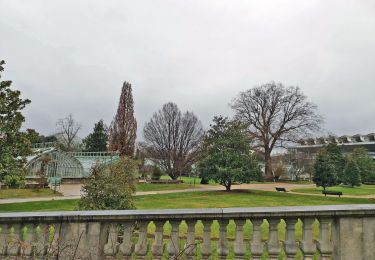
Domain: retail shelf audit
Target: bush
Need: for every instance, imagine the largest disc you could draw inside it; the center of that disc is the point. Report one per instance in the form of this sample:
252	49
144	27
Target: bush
110	187
156	173
14	181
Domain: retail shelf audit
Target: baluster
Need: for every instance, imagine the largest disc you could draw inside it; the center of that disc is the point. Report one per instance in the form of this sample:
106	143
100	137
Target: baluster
256	241
190	246
308	246
290	244
157	246
222	247
173	247
206	243
4	236
141	246
127	246
110	249
324	244
28	246
41	248
56	241
13	249
273	241
239	244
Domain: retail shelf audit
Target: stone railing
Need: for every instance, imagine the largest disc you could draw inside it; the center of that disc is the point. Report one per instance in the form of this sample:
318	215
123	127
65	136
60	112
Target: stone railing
320	232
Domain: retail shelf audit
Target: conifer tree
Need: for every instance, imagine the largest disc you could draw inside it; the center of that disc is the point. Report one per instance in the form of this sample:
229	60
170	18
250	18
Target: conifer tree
97	140
325	173
123	129
352	174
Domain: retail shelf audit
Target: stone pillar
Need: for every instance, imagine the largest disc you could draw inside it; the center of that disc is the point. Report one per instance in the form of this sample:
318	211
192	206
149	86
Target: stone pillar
173	246
222	246
290	244
256	241
239	246
353	238
190	246
13	248
206	243
127	246
157	246
141	247
324	243
110	249
308	246
273	241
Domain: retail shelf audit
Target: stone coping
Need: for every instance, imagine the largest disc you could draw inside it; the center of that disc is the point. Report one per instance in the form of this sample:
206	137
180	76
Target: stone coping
357	210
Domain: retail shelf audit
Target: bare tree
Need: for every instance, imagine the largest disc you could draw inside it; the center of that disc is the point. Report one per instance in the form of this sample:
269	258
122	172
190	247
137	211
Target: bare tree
123	129
300	163
275	114
68	129
172	139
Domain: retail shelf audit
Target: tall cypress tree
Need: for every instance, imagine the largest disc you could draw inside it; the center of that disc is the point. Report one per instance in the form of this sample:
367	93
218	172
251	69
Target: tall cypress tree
97	140
123	129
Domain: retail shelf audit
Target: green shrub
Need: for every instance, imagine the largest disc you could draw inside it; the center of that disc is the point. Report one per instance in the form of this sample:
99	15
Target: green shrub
156	173
110	186
15	180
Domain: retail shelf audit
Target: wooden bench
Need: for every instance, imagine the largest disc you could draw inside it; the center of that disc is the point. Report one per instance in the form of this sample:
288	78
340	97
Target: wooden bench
330	192
280	189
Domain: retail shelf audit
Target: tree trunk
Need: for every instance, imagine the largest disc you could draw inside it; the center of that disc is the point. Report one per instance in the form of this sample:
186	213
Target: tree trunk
268	166
227	187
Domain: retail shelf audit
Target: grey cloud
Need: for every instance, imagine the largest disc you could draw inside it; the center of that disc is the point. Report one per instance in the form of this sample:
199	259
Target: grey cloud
72	56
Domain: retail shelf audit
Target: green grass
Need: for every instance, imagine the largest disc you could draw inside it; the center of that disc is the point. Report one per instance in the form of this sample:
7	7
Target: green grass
356	191
213	199
26	193
207	199
161	187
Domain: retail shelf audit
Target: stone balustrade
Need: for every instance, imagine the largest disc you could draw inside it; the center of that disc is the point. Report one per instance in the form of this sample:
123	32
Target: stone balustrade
339	232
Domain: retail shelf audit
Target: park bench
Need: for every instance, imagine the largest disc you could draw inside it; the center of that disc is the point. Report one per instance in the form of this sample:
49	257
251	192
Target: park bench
330	192
279	189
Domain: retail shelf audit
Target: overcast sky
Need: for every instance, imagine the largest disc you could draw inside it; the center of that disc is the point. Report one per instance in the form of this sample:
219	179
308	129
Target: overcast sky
72	56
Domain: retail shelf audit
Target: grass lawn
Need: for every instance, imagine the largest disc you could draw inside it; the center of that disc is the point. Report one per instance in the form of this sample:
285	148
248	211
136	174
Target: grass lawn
158	187
356	191
203	199
213	199
26	193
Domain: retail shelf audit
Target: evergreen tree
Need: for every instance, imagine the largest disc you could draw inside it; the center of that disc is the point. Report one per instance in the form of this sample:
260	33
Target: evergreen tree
365	164
352	175
337	159
227	156
14	144
123	129
97	140
325	174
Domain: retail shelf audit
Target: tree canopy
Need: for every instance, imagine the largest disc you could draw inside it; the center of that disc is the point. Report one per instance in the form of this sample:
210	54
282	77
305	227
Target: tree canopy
325	171
351	174
123	129
172	140
97	140
14	144
275	114
227	156
365	164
